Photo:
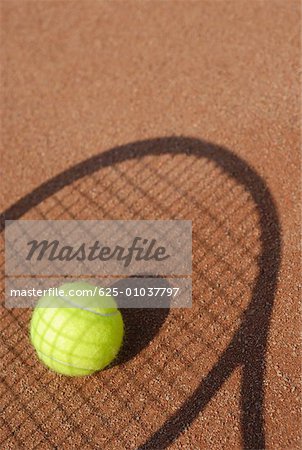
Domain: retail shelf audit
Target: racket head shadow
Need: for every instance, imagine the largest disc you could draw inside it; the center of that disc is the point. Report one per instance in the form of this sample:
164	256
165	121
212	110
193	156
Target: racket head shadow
229	204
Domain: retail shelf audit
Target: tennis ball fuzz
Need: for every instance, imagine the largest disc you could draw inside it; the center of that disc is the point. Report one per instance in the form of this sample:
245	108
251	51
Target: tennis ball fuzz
72	338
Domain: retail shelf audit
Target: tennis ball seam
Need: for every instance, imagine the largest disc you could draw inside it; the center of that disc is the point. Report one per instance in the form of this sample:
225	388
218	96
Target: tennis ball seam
67	299
65	363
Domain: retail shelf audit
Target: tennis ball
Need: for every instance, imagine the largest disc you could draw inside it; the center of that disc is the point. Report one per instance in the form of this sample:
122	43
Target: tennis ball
72	337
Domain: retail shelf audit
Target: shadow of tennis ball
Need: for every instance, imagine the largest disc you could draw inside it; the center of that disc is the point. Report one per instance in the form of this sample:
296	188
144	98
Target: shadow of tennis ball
141	323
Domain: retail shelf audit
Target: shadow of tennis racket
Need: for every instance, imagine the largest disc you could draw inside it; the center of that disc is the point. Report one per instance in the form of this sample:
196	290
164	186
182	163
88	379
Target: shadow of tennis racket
236	258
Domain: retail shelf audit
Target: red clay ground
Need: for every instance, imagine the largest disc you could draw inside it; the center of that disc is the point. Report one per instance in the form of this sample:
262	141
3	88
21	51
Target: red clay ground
82	77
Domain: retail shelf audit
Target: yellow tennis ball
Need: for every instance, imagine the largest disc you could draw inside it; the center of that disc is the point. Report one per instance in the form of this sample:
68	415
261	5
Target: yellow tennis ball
75	339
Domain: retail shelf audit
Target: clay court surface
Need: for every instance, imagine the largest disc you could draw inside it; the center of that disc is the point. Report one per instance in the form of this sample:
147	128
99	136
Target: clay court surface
188	110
